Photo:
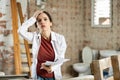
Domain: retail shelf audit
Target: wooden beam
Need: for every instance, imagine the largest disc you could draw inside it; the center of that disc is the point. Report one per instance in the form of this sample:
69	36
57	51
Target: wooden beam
17	56
25	42
116	66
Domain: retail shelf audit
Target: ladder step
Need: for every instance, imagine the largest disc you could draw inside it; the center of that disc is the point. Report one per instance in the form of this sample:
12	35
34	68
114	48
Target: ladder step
25	69
22	41
24	60
24	51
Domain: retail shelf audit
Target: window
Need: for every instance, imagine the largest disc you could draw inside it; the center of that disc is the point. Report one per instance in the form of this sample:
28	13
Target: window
101	13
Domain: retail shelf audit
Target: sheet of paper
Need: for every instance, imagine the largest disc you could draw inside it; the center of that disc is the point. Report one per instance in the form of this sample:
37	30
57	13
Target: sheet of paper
59	61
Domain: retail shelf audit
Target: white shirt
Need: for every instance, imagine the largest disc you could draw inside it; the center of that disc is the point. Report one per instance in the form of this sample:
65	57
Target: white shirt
58	43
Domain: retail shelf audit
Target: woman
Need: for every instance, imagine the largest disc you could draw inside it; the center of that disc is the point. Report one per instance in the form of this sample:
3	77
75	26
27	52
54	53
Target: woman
46	46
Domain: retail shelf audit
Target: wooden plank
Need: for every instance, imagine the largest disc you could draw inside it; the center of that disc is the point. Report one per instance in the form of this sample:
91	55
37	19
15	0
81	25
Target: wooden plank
25	42
116	66
110	78
105	62
96	70
15	37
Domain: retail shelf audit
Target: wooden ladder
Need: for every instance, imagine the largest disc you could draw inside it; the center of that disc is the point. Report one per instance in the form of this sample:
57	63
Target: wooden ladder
19	69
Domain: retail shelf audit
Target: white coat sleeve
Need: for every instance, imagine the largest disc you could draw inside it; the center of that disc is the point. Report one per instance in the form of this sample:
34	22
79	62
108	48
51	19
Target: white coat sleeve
23	30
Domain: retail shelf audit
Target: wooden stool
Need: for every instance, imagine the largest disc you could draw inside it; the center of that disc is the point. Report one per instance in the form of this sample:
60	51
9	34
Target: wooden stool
99	66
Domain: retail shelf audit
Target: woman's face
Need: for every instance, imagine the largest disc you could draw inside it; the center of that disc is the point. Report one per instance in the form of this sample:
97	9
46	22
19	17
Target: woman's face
44	22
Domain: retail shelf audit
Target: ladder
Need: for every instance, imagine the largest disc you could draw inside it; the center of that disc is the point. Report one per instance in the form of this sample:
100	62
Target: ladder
19	69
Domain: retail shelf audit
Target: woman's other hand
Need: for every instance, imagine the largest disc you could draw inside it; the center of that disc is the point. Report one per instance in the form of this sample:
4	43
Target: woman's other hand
47	68
37	13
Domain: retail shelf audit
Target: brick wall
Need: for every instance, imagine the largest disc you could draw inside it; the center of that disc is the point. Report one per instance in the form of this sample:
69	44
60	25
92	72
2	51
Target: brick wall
6	42
102	38
6	36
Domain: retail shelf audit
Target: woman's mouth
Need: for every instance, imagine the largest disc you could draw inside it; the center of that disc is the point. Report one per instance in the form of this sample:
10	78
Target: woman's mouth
42	25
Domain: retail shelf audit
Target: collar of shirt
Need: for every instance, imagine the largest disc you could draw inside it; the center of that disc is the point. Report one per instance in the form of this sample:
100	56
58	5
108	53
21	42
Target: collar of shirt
53	37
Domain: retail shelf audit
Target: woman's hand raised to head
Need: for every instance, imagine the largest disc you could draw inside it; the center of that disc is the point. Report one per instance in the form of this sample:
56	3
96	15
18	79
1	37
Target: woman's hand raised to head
37	13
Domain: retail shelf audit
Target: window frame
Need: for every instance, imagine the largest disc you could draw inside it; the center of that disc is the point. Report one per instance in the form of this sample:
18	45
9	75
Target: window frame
92	16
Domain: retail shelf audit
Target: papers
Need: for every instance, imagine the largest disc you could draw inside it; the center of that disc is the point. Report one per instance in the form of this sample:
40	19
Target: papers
58	61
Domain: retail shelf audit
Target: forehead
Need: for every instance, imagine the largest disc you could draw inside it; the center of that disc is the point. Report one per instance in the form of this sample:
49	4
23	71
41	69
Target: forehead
42	15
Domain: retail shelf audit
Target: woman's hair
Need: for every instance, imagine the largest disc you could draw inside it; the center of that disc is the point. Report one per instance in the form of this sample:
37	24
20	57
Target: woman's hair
49	16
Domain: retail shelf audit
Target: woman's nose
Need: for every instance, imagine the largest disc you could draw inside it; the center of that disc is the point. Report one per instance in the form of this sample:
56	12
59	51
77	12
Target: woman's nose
42	21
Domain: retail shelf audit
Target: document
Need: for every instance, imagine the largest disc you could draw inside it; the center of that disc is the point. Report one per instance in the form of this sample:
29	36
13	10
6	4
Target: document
58	61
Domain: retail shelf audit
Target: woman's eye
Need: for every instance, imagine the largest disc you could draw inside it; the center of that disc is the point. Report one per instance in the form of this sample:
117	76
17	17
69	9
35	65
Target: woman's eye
45	19
39	20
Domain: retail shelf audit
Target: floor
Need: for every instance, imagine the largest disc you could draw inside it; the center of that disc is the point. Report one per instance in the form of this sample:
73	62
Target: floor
12	77
86	77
